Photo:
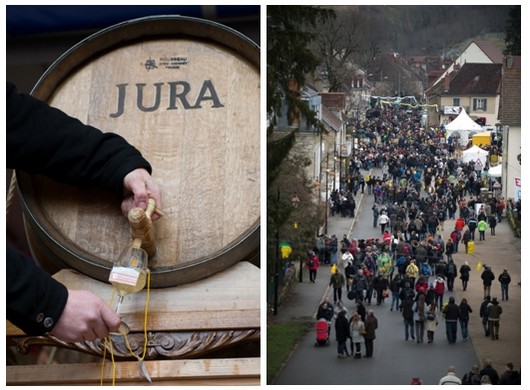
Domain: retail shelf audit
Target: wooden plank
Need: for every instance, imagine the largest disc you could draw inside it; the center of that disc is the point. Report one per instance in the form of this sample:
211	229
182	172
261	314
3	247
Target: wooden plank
183	372
229	300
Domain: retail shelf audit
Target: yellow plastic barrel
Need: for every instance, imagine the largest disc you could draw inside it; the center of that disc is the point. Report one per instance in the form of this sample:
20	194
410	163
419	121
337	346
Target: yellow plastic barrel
470	247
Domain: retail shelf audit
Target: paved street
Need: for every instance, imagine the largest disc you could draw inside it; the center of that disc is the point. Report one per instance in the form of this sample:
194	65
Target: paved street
395	360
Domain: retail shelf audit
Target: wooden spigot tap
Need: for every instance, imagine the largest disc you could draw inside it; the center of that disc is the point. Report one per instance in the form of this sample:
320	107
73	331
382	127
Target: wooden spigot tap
142	228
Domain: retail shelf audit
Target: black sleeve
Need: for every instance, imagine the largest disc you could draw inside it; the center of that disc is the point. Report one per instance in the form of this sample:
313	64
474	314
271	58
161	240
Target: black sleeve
35	301
44	140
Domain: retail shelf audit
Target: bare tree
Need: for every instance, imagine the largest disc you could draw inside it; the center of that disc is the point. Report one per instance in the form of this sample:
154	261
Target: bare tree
336	45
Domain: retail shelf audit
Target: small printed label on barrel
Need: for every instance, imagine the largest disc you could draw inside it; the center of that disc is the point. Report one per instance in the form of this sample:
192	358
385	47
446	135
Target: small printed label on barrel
169	62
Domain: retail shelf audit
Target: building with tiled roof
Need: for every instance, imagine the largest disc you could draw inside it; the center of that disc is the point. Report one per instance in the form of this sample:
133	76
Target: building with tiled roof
510	119
475	86
477	52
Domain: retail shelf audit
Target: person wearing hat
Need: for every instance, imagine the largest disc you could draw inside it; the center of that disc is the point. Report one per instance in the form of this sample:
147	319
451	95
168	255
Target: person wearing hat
439	289
467	379
312	263
504	280
494	316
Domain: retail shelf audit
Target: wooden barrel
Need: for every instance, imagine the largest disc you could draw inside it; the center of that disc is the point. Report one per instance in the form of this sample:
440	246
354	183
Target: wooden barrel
186	93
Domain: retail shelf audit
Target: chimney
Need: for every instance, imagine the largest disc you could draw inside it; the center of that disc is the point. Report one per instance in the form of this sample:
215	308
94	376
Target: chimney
509	61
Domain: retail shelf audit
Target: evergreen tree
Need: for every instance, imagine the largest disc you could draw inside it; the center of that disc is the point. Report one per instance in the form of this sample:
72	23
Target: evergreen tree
289	58
513	32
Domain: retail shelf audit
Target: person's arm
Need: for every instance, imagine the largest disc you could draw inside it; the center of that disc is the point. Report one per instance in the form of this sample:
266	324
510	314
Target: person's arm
44	140
38	304
34	299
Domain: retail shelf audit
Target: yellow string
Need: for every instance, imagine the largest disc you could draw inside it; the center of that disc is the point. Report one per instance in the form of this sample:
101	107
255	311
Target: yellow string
109	340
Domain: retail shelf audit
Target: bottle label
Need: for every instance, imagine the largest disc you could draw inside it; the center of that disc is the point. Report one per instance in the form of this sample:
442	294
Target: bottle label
124	275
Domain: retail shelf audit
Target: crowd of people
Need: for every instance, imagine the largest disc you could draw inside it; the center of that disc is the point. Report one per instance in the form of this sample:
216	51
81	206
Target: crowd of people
485	375
423	187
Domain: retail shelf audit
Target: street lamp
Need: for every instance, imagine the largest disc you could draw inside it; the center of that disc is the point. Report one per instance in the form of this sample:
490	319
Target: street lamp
327	205
277	260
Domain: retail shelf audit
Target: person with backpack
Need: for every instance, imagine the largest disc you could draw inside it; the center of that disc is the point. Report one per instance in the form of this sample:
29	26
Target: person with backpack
357	332
504	280
431	321
467	379
450	274
487	277
472	225
464	274
312	263
510	376
337	280
412	272
439	288
440	214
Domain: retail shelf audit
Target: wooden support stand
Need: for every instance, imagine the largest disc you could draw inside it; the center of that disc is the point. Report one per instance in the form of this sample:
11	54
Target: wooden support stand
187	325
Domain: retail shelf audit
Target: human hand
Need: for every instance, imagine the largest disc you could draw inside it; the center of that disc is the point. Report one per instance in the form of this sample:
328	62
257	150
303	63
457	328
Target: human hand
85	317
138	187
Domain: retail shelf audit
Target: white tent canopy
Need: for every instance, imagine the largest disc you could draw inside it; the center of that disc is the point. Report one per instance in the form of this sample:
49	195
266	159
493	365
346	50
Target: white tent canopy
495	171
477	155
462	125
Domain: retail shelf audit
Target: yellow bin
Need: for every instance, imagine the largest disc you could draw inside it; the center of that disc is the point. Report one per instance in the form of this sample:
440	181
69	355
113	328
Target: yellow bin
470	247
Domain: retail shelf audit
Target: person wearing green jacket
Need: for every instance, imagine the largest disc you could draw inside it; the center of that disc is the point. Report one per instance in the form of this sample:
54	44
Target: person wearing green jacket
481	227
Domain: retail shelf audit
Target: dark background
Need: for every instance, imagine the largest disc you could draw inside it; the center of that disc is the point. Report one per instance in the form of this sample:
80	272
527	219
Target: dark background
38	35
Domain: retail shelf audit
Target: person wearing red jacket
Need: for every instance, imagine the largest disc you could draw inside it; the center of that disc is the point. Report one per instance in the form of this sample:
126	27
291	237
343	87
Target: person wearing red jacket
439	289
460	223
422	285
312	263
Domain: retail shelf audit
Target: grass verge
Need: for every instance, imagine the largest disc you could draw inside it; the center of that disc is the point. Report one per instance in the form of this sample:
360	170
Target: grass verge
281	341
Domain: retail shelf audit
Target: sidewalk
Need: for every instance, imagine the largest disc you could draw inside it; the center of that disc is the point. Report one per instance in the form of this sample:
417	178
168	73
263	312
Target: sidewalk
304	298
499	252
